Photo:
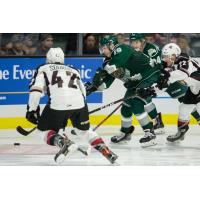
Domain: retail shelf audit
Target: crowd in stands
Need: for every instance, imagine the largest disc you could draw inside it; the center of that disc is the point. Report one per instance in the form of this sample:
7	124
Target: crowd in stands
36	44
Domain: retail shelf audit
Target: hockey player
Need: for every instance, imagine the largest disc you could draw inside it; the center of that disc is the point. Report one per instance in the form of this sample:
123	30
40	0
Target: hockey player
135	70
138	42
183	81
66	101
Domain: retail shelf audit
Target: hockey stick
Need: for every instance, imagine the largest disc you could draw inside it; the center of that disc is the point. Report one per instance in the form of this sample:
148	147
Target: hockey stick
89	148
23	131
94	129
26	133
110	104
79	149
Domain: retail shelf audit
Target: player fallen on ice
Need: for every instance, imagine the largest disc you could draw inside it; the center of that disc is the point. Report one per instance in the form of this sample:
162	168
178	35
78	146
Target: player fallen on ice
136	70
181	77
66	94
138	42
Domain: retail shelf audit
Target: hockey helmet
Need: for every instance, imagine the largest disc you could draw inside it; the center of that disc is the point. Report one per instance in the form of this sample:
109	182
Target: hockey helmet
171	49
108	40
55	55
136	36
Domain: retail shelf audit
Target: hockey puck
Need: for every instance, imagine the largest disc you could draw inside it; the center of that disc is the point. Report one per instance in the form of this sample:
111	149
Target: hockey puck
16	144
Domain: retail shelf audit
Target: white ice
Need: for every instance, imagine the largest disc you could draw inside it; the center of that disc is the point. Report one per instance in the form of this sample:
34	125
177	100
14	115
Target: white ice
33	152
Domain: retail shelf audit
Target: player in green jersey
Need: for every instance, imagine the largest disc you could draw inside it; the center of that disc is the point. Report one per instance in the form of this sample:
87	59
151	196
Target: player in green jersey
135	69
138	42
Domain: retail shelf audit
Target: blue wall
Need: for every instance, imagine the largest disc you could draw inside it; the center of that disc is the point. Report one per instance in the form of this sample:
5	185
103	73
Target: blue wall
16	73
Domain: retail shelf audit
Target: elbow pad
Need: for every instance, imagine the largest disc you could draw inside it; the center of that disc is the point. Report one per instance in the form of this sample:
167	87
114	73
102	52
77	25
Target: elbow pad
34	99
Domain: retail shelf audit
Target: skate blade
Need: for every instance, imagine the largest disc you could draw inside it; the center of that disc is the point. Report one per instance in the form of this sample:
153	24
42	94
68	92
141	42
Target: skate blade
61	158
122	142
149	144
116	163
174	142
72	149
89	149
159	131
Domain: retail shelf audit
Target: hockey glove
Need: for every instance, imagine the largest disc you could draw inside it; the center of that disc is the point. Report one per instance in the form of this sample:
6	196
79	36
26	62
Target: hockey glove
146	92
162	83
90	88
163	79
33	116
99	77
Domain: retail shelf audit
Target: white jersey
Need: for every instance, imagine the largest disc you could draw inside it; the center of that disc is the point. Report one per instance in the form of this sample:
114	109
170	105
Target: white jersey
182	74
63	86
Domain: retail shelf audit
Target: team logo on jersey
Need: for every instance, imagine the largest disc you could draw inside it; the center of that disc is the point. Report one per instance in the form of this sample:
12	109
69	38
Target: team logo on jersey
151	52
118	50
136	77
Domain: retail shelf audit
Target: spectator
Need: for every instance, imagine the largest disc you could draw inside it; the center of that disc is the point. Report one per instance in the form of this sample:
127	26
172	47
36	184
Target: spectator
6	46
173	39
120	38
46	44
71	43
30	44
160	39
150	37
90	45
195	45
17	45
127	41
184	45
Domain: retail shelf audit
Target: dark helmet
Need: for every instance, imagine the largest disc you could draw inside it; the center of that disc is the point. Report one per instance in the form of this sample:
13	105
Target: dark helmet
136	36
108	40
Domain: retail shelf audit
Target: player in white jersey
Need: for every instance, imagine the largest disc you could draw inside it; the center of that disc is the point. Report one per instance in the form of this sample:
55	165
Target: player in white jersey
66	101
182	74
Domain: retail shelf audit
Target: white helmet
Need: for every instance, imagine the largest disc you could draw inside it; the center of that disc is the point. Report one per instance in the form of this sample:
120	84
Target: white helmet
55	55
171	49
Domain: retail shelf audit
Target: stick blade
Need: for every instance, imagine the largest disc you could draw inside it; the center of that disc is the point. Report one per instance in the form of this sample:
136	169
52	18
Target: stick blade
22	131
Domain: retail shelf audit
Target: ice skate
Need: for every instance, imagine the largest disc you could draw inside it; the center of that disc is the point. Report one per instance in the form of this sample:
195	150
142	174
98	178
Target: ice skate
67	148
159	126
179	136
148	139
123	137
112	157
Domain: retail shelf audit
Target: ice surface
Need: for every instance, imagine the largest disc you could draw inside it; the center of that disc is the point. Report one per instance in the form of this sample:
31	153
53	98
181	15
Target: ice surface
32	151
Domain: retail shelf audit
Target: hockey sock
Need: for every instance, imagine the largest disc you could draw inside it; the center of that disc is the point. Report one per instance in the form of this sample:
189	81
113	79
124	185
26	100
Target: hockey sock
126	118
151	110
148	126
144	121
54	139
127	129
183	126
126	124
50	137
126	113
196	115
97	142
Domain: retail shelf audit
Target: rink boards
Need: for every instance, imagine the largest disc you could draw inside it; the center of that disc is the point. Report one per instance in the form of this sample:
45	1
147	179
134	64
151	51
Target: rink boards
15	76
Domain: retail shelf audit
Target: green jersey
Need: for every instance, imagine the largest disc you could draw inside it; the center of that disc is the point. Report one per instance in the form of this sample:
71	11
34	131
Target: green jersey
154	53
128	64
